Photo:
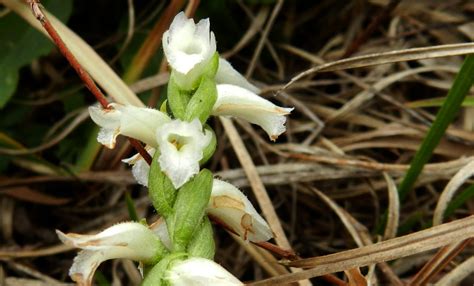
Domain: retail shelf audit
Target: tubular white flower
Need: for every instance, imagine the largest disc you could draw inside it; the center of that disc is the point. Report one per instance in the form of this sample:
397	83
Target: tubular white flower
239	102
126	240
196	271
188	48
181	148
226	74
231	207
136	122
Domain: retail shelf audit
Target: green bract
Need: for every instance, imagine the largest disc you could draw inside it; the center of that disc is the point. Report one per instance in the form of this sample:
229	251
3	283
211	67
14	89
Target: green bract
201	103
162	192
188	210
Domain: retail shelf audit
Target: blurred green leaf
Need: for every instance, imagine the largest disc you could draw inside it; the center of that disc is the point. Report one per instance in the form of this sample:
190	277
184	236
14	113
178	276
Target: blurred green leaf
20	44
450	108
459	200
436	102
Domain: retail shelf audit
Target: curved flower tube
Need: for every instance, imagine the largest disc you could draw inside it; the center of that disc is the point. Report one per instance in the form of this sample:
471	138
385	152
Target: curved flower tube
125	240
239	102
188	48
231	207
137	122
196	271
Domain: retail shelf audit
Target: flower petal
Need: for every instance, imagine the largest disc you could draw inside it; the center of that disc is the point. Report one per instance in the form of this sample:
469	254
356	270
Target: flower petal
198	271
136	122
239	102
181	148
226	74
140	168
232	208
125	240
188	48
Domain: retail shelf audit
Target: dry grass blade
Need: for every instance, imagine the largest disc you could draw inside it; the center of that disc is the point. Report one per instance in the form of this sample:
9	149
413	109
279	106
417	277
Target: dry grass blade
457	274
355	229
442	258
389	57
257	186
393	214
418	242
465	173
83	116
60	248
255	27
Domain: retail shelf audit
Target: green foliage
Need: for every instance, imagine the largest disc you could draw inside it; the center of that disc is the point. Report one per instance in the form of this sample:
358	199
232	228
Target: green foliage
177	99
189	208
436	102
445	116
201	103
161	190
20	44
202	244
459	200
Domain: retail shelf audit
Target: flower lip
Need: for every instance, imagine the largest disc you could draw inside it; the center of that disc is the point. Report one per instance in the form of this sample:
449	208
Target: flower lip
181	147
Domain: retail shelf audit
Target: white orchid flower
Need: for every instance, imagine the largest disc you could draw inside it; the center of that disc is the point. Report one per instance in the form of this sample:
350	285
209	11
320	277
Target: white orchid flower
188	48
181	146
239	102
231	207
196	271
129	240
137	122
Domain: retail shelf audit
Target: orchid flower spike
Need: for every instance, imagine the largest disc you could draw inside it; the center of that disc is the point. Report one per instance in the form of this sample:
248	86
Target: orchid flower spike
196	271
181	146
126	240
188	48
231	207
137	122
239	102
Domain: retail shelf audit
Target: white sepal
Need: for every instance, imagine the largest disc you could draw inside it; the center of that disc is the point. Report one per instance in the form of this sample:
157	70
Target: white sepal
140	168
188	48
226	74
196	271
125	240
136	122
231	207
239	102
181	146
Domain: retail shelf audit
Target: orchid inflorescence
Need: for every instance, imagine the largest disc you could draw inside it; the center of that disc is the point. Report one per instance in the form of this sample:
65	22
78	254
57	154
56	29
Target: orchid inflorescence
179	249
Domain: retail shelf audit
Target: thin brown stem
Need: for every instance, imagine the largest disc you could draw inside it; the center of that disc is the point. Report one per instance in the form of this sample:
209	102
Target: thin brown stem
85	77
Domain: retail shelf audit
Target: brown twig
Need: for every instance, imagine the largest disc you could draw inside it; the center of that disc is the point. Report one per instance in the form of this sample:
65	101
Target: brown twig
85	77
